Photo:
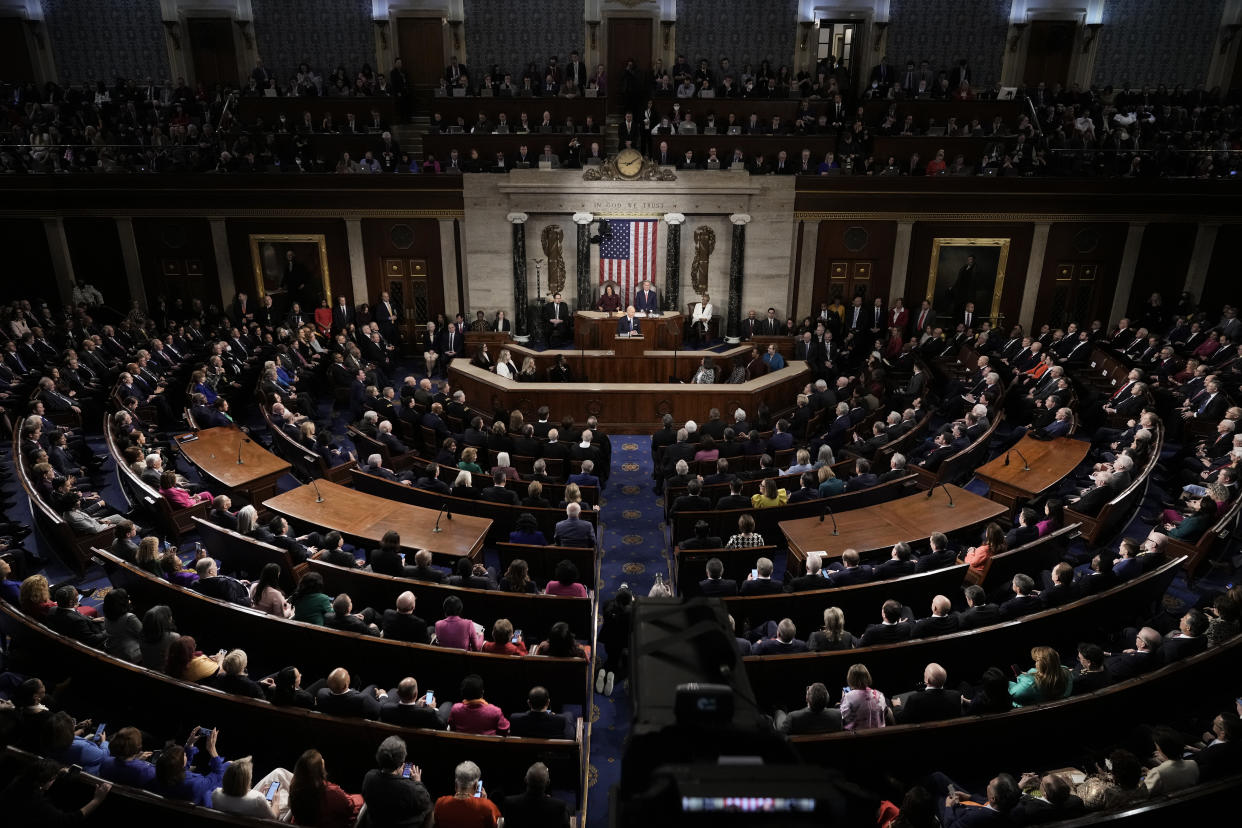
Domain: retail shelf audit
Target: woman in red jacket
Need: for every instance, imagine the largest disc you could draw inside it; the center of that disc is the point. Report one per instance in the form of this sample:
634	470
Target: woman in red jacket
313	800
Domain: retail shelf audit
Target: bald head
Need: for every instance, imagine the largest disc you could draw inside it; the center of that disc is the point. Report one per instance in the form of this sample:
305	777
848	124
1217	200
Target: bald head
934	676
940	606
405	603
338	680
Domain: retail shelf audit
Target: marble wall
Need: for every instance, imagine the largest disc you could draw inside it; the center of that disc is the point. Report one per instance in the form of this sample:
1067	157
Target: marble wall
1152	42
706	198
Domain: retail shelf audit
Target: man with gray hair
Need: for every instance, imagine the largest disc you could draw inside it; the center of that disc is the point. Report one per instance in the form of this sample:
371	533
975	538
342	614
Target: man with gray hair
469	804
931	704
573	531
534	808
1136	660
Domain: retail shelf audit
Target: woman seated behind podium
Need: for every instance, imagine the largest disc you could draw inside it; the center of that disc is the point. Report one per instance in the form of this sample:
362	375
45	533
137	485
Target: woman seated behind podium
609	301
768	495
528	372
505	369
706	375
178	496
978	557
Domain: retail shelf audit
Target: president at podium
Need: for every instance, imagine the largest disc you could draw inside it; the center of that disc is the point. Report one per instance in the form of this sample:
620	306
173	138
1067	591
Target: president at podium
628	324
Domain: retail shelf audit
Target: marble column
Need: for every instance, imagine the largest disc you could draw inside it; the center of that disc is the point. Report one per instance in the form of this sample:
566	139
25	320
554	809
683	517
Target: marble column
672	265
901	265
1125	275
582	265
357	261
1200	260
129	254
521	325
448	268
224	264
737	259
62	262
1034	272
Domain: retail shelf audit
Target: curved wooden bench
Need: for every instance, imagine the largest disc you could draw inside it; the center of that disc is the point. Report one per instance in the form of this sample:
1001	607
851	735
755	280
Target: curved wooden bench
1199	551
960	465
173	521
1119	511
781	680
274	735
245	557
308	464
219	624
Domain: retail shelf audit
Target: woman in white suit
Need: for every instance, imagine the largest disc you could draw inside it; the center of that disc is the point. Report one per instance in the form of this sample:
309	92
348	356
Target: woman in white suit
700	318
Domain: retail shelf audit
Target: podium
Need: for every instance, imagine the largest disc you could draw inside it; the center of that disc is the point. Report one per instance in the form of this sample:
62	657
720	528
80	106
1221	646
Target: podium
596	330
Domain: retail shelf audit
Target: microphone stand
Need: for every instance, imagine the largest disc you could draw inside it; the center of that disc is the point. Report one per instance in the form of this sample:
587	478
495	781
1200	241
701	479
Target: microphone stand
948	494
443	506
1025	465
828	512
241	443
318	496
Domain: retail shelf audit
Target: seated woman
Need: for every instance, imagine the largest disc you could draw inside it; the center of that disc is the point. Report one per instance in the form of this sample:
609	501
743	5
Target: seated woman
1054	516
331	455
1046	681
833	636
1199	518
528	373
482	359
979	557
517	578
768	495
609	301
174	780
69	745
447	455
527	529
565	581
428	344
561	643
463	485
700	318
503	466
863	707
560	372
188	664
746	536
174	572
127	763
149	555
707	450
313	800
706	375
504	641
505	369
469	460
177	496
236	794
534	495
266	595
310	603
829	483
573	494
741	369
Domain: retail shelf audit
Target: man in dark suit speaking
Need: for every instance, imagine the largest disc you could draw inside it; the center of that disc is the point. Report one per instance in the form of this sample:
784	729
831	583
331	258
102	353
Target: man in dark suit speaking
647	300
628	324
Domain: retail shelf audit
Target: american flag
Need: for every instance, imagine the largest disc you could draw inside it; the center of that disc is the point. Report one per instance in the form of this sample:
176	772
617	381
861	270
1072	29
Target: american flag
627	257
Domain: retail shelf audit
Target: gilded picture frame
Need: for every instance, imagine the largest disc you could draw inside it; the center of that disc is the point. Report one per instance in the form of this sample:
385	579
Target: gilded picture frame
948	257
310	252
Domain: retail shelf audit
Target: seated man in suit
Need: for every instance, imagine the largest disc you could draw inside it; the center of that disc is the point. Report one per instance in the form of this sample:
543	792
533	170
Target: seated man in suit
586	477
211	583
900	563
701	539
1134	661
344	618
978	613
374	466
1128	565
538	721
1025	599
337	698
931	704
405	708
1061	588
808	490
715	585
734	499
892	627
498	491
938	556
573	531
816	717
423	570
760	581
693	500
1188	640
863	478
401	624
942	620
220	513
960	809
813	579
646	299
66	620
535	806
1026	530
786	641
851	571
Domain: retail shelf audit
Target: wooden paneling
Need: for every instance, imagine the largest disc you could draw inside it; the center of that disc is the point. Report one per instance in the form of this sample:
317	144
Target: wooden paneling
629	38
1162	261
182	245
28	264
420	44
1019	235
240	230
853	255
95	249
399	243
1049	51
213	50
1091	252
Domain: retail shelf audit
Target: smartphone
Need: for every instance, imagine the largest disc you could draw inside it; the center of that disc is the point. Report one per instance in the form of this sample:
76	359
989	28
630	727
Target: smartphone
845	690
478	788
99	731
271	791
754	574
431	698
1016	671
517	636
405	772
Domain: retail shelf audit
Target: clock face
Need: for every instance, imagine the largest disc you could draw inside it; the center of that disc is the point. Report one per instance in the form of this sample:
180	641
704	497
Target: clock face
629	162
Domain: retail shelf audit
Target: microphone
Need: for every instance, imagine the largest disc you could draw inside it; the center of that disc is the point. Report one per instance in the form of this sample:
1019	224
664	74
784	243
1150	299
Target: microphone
1025	465
318	496
1006	463
826	512
443	509
948	493
243	442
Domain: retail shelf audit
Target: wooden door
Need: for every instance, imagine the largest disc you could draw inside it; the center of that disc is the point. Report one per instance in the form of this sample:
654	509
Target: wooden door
413	292
420	45
1074	297
628	38
15	62
844	280
213	52
1049	52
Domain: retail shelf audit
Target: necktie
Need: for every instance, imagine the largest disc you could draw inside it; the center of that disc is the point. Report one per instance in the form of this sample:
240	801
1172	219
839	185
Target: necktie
968	319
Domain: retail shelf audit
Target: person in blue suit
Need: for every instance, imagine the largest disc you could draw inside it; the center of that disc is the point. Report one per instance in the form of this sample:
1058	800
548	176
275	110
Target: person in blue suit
646	300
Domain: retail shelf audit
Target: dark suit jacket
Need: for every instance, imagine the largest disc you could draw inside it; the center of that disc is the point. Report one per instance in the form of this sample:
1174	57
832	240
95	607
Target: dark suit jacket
761	586
931	705
540	724
933	625
77	626
1177	647
980	616
806	720
886	634
805	582
1124	666
1021	605
349	703
409	715
528	811
401	627
720	587
499	494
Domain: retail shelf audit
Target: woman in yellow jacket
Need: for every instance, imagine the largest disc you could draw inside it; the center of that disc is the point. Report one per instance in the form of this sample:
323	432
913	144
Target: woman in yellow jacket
768	495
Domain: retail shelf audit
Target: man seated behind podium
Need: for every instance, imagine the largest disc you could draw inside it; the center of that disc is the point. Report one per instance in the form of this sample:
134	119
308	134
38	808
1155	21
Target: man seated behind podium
628	324
647	300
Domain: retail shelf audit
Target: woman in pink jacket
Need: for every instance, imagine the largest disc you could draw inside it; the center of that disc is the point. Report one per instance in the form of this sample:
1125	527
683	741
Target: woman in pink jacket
178	496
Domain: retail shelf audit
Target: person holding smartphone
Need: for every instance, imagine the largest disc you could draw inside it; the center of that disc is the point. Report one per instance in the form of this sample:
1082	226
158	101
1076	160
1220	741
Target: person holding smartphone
393	791
266	799
469	806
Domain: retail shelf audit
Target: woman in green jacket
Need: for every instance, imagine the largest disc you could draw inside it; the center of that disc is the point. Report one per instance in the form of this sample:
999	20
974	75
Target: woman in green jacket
309	602
1046	681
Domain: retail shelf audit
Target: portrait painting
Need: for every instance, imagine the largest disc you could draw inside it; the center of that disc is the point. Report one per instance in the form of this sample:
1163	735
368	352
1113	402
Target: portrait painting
291	268
967	270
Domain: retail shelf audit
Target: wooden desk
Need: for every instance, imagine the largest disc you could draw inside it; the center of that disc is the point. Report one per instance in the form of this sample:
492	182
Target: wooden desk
215	454
615	366
1009	480
878	527
367	517
596	329
629	408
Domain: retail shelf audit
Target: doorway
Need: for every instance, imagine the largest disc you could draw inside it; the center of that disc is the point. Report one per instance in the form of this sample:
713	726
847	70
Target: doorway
420	45
629	38
838	39
15	62
414	293
1049	52
212	50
